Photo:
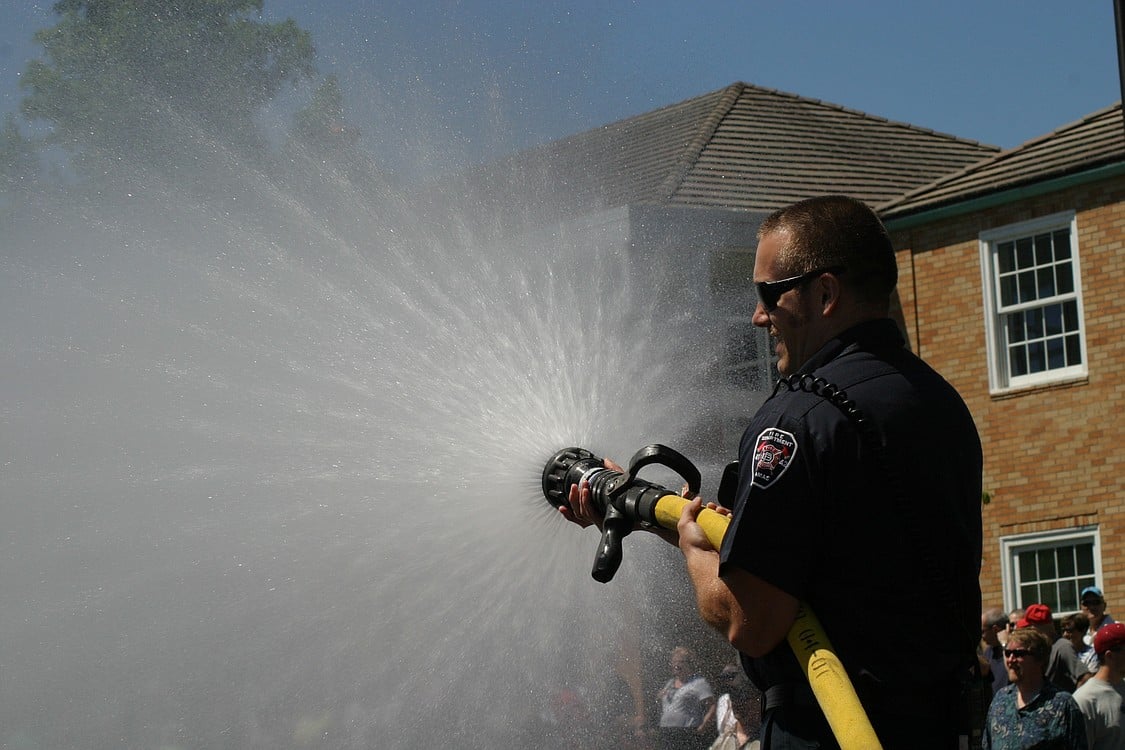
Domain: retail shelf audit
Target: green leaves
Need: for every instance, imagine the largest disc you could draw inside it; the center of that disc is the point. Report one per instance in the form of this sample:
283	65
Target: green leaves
129	79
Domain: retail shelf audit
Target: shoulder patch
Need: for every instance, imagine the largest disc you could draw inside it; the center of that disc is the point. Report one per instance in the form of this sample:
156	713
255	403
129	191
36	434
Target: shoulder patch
773	453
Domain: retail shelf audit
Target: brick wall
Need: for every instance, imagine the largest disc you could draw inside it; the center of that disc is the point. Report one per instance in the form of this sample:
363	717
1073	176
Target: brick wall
1053	456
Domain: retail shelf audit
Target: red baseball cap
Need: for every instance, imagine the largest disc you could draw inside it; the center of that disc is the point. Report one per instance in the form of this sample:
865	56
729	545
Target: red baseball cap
1109	636
1036	614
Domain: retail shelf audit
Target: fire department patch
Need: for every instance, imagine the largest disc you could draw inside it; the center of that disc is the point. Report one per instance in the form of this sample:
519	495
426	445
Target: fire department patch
772	455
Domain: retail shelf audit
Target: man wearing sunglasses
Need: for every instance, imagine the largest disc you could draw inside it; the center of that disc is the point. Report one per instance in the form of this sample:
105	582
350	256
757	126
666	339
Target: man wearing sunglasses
847	502
858	493
1031	712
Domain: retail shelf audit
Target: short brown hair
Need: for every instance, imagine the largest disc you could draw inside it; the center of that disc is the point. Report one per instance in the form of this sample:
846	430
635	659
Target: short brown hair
836	230
1078	622
1033	640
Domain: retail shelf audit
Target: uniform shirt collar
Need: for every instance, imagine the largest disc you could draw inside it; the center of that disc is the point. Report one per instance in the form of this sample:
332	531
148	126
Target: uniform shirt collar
870	334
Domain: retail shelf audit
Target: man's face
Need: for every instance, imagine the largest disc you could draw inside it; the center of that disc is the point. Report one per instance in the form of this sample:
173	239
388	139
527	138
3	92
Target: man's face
794	324
1093	606
988	633
1021	663
1074	635
678	663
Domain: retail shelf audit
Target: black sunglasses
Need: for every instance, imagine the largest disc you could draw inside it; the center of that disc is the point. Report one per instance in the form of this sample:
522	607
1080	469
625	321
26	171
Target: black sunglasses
1017	652
769	292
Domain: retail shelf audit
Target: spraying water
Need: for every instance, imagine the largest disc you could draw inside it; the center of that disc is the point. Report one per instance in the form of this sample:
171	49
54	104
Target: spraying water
270	473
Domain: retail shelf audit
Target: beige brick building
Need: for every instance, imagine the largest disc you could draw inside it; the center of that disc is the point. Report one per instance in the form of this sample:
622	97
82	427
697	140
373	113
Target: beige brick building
1011	271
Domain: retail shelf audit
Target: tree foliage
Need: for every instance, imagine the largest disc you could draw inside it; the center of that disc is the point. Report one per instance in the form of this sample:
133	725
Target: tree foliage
19	158
134	79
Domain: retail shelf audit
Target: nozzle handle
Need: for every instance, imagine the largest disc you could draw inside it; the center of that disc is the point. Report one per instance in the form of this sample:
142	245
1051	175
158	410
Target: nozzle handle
665	456
607	560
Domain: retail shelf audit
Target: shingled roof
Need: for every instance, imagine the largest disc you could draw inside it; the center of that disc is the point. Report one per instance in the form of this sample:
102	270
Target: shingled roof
743	147
1096	140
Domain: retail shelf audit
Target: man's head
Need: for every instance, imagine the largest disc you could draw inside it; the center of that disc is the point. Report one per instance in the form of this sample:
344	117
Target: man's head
1026	655
1074	627
1093	603
1109	643
1038	616
992	623
682	661
822	265
1110	638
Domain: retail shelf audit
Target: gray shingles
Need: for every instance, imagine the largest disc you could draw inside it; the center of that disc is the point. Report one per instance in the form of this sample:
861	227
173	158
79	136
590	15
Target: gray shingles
743	147
1093	141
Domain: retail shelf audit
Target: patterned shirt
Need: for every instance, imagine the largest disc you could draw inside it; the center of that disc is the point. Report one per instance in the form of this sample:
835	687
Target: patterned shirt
1051	721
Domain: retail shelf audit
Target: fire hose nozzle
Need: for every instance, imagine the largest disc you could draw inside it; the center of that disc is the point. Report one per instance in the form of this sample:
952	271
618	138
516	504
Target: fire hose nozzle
623	500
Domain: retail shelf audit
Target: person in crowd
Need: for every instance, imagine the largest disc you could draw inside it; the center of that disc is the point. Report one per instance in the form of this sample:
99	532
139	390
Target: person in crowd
993	623
1102	698
737	712
687	705
1014	618
842	502
1031	712
1074	629
1093	606
1064	670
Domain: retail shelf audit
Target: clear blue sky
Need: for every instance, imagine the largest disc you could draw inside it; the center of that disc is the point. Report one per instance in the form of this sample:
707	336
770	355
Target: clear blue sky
426	79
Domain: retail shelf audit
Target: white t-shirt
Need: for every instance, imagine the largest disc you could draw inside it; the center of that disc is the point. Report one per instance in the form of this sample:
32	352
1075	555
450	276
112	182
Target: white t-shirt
1101	703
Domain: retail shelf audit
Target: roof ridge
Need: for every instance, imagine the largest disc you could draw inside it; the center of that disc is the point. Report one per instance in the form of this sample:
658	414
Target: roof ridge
868	115
691	153
988	161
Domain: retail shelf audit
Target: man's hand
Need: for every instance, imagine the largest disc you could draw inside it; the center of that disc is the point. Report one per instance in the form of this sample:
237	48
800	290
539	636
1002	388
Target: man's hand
579	507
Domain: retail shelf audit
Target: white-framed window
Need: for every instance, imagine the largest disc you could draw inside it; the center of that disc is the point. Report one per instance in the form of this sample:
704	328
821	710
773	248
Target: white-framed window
1050	568
1033	302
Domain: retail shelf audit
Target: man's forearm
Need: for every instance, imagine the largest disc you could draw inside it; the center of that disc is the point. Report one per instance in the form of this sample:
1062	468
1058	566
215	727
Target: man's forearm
713	599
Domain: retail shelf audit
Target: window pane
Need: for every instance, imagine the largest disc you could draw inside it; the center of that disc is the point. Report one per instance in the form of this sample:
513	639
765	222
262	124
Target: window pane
1068	595
1015	328
1017	361
1006	257
1073	350
1029	594
1033	322
1027	286
1036	357
1064	278
1066	563
1028	570
1045	277
1070	315
1056	354
1084	555
1053	319
1025	256
1047	567
1043	254
1062	244
1008	290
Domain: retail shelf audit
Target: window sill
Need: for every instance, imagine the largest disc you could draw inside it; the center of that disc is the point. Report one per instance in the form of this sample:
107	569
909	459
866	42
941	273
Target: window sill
1076	381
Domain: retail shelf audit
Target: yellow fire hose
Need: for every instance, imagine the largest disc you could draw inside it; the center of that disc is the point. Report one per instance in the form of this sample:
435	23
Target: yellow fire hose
827	678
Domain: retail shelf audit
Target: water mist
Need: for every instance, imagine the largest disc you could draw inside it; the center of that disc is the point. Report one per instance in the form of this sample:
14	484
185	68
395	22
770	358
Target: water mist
270	471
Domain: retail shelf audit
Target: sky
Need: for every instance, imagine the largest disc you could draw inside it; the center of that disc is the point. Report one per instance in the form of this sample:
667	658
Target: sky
438	82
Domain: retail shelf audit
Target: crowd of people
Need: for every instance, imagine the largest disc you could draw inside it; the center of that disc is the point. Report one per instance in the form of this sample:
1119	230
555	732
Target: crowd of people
1063	690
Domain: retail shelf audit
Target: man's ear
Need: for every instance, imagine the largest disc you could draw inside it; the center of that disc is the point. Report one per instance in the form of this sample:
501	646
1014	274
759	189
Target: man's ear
829	287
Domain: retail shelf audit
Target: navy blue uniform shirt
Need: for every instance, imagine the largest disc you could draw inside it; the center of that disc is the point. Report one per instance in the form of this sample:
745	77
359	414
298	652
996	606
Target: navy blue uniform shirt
880	533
